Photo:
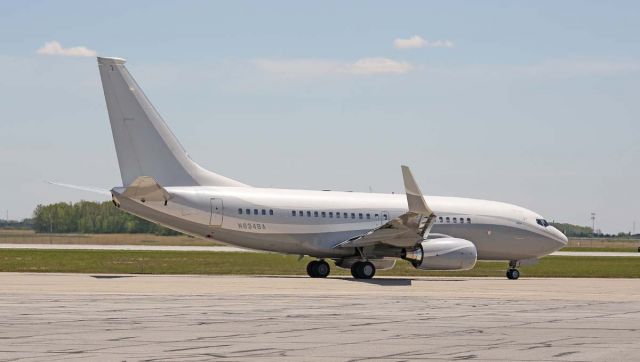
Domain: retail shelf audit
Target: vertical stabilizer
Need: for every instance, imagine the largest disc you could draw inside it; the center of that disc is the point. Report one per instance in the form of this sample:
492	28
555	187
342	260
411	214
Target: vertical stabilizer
144	143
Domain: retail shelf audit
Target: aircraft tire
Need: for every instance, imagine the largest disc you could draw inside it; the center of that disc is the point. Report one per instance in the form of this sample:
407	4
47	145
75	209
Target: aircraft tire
322	269
367	270
363	270
311	268
354	269
513	274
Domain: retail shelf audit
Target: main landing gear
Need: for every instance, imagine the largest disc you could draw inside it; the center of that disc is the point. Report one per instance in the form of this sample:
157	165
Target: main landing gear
318	269
512	272
363	270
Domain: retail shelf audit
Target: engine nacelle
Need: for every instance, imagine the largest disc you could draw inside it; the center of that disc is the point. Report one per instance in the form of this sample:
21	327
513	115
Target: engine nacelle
442	254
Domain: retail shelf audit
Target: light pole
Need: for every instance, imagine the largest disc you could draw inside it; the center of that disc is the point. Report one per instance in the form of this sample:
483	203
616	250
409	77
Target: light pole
593	223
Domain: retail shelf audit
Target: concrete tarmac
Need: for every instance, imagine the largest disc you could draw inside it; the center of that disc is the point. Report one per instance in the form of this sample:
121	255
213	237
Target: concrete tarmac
124	317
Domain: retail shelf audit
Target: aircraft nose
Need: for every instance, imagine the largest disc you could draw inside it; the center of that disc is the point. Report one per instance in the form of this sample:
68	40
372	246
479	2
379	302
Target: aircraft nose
559	237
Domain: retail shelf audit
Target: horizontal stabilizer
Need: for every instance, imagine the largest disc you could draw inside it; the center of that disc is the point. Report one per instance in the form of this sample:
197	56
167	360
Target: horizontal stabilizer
95	190
145	188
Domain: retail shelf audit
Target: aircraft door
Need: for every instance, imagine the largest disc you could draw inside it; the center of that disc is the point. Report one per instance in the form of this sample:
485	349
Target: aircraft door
216	212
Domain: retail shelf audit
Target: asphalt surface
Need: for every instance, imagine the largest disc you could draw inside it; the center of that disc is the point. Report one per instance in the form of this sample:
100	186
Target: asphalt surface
117	318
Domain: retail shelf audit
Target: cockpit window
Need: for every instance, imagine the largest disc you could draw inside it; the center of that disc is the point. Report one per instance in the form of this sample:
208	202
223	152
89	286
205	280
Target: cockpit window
542	222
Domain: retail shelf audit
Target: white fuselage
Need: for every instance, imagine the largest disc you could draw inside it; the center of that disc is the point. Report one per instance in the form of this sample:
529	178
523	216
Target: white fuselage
315	222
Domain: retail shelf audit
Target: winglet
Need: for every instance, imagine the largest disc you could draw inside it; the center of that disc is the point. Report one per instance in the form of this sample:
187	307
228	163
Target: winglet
415	199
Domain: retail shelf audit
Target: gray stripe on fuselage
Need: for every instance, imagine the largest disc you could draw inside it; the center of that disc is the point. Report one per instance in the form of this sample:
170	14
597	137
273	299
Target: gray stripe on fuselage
503	243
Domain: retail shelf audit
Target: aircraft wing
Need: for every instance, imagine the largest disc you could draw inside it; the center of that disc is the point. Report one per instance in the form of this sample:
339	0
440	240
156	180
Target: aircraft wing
405	230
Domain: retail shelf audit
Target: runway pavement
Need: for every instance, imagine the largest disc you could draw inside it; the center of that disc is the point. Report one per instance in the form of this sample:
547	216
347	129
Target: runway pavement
230	249
117	318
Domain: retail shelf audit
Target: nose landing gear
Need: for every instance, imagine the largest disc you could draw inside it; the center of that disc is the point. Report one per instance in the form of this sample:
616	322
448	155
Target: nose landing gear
512	272
318	269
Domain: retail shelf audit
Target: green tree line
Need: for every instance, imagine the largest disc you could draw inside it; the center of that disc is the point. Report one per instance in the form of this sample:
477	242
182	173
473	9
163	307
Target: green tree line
91	217
573	230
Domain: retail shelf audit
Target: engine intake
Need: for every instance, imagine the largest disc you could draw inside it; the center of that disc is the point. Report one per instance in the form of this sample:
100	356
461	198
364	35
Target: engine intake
442	254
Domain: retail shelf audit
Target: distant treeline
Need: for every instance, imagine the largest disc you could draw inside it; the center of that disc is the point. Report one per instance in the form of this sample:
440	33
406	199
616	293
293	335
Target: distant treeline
92	218
571	230
15	224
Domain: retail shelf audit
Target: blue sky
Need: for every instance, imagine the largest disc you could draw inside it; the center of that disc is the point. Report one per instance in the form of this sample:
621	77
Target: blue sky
533	103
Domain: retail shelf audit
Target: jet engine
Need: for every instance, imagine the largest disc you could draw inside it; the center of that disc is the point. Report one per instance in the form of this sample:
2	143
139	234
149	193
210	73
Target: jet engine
442	254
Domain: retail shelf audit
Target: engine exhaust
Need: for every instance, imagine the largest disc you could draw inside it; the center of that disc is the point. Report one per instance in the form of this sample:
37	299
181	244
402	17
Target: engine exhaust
414	256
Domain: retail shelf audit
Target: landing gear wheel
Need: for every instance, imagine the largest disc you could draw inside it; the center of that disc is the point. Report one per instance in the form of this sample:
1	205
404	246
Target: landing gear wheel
354	269
311	268
363	270
513	274
322	269
318	269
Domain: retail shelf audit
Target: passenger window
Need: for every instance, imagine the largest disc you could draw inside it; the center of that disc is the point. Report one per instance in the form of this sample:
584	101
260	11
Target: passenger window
440	218
346	215
455	220
255	211
331	214
360	216
377	216
293	213
315	213
448	220
353	215
308	213
337	215
264	212
368	216
324	214
240	211
248	211
300	213
468	220
271	212
384	216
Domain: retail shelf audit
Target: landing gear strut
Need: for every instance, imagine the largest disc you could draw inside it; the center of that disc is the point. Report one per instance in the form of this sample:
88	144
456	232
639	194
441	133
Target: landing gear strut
363	270
318	269
512	272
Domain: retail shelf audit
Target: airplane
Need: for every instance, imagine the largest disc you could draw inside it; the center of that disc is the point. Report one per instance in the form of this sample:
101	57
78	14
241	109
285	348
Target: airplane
363	232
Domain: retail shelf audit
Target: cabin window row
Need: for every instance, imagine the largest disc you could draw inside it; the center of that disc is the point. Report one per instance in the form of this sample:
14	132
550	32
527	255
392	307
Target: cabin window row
255	211
456	220
339	215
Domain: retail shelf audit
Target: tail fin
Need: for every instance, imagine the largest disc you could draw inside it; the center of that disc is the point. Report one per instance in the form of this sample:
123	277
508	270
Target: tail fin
144	143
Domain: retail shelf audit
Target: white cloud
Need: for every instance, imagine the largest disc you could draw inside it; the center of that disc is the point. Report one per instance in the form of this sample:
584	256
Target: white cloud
417	41
378	66
55	48
310	68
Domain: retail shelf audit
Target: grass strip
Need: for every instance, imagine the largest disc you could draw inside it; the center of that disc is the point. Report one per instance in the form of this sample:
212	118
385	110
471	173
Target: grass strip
216	263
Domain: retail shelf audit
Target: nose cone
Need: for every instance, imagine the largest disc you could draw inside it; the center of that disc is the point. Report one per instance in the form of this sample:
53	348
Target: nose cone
558	237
